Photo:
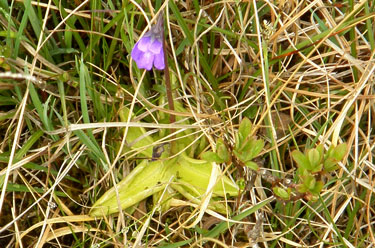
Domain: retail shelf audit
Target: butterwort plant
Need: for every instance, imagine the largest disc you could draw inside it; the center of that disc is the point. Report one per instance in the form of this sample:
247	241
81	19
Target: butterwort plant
148	51
179	176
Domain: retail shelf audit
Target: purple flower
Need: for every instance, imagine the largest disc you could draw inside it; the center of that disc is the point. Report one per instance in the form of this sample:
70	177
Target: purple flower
148	51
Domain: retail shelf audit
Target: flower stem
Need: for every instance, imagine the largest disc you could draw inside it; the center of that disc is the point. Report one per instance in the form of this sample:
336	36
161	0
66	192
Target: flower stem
172	117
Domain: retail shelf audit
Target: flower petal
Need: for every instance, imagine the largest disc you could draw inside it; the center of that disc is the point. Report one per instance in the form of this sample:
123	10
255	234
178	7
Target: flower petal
136	53
146	61
144	43
155	47
159	62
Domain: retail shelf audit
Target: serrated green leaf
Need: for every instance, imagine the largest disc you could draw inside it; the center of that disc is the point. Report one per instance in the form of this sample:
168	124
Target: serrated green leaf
314	159
310	182
329	152
320	149
282	193
238	144
317	168
250	149
222	150
245	128
301	188
301	160
257	148
241	156
246	150
339	152
330	164
302	174
317	188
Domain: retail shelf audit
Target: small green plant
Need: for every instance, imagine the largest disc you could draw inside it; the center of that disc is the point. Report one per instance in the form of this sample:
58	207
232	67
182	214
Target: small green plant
246	148
312	165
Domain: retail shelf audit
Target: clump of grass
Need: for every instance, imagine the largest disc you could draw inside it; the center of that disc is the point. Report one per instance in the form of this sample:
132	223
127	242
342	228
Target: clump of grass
301	72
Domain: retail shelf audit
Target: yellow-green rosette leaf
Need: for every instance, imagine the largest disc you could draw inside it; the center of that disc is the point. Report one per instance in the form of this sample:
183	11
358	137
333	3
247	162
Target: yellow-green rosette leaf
196	173
195	196
144	180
